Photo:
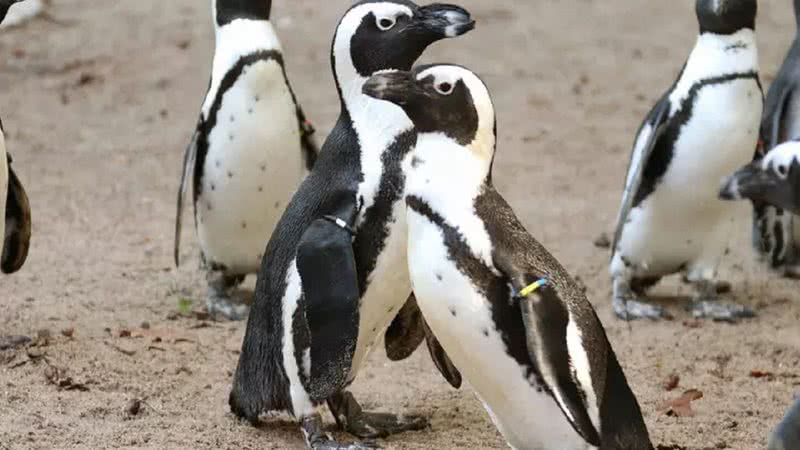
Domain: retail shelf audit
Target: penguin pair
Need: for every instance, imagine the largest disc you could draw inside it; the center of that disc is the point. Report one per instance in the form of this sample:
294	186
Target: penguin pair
250	150
334	272
510	317
701	130
776	232
15	228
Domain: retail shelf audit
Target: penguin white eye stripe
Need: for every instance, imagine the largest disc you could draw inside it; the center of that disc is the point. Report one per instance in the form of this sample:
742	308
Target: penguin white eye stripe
444	88
386	23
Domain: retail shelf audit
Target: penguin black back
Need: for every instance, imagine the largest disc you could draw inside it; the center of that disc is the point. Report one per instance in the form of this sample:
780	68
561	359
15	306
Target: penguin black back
230	10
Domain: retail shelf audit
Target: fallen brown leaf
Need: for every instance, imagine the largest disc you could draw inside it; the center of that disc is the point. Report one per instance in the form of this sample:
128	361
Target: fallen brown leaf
761	374
681	406
693	323
68	332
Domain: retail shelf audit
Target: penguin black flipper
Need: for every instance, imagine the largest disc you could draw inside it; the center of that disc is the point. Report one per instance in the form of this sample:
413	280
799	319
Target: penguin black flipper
327	267
307	141
649	133
18	225
189	161
406	332
446	367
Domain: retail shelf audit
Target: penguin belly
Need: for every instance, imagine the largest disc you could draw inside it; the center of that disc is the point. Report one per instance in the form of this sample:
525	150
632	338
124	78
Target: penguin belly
3	188
682	225
252	168
388	289
461	318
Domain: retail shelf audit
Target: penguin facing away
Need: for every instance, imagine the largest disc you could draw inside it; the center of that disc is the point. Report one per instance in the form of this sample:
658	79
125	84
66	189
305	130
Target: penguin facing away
776	234
700	131
773	180
15	228
540	362
335	276
250	150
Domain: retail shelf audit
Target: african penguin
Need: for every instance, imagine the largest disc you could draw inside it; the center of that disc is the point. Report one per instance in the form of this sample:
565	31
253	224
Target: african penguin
700	131
539	360
250	150
772	180
786	435
15	228
776	234
336	273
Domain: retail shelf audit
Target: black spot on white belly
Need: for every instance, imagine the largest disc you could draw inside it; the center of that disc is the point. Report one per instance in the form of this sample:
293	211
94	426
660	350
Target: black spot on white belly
232	119
258	98
249	110
213	187
230	137
416	161
453	311
439	276
217	163
486	332
230	174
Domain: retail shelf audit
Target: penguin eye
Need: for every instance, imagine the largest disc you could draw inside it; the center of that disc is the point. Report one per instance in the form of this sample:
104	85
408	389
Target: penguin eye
444	88
386	23
782	170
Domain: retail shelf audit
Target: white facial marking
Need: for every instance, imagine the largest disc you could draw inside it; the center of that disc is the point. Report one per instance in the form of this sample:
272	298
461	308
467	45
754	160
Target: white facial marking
452	17
781	158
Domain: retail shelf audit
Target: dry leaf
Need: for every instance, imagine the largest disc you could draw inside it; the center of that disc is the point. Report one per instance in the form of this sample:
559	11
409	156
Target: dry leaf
681	406
761	374
671	382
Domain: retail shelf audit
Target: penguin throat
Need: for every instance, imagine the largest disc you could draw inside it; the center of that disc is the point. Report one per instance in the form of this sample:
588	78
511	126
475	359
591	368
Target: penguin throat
441	167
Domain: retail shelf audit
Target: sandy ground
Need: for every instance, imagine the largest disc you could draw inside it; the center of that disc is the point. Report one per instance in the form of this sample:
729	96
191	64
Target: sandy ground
99	102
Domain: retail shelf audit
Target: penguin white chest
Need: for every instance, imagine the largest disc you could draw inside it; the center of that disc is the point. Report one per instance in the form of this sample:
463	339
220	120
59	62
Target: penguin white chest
682	222
388	289
3	187
461	318
253	165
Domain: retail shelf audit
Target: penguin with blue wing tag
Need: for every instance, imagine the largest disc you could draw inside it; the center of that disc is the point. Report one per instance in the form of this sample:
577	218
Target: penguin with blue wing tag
700	131
251	149
511	320
302	346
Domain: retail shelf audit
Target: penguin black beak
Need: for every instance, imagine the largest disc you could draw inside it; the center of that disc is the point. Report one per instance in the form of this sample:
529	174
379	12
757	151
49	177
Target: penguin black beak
4	6
393	86
754	183
441	21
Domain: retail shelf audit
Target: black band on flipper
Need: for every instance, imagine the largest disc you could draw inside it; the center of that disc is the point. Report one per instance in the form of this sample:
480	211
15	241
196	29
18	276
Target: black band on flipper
327	267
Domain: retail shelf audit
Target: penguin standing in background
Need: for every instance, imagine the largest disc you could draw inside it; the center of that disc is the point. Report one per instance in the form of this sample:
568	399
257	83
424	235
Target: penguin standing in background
787	434
700	131
15	229
776	234
512	320
336	272
250	150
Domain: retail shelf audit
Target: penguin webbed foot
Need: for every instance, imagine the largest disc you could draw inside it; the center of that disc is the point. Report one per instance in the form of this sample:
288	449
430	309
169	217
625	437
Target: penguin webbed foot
632	309
318	439
366	425
221	302
707	305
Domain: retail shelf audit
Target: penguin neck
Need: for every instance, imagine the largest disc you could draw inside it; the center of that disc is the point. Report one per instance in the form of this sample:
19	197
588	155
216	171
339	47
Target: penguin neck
244	36
724	54
446	174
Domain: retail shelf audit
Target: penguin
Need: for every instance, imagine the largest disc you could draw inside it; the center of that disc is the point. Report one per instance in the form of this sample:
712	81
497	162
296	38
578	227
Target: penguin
335	272
776	234
773	180
787	434
702	129
15	228
510	317
251	148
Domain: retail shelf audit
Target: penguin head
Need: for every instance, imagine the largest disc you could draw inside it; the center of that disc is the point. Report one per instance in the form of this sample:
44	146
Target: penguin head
378	35
726	16
442	99
226	11
774	179
4	6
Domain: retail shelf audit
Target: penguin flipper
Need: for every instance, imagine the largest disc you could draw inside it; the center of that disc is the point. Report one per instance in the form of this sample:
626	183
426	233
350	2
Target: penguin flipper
307	141
406	332
650	132
189	160
16	242
446	367
546	319
327	268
